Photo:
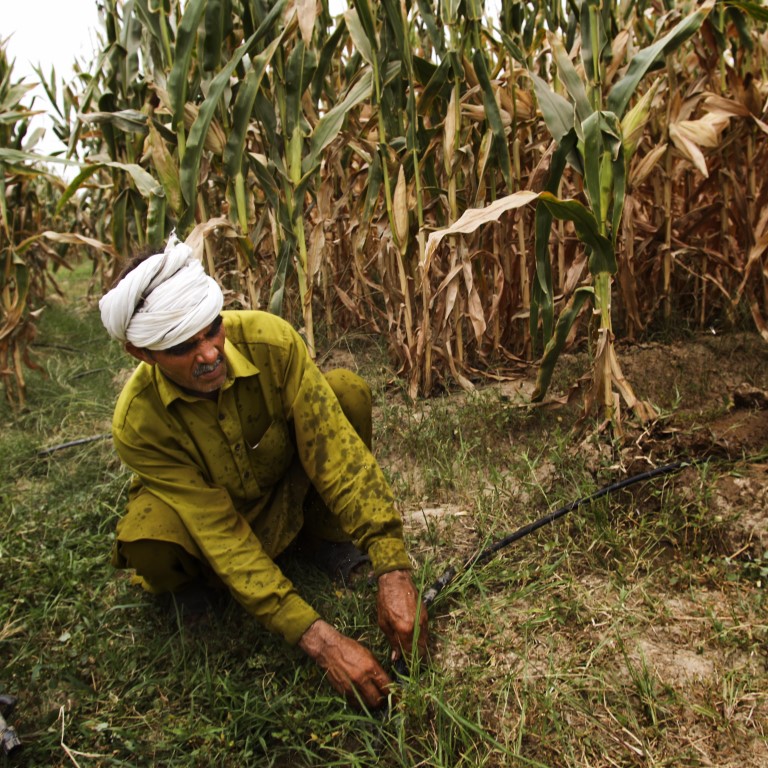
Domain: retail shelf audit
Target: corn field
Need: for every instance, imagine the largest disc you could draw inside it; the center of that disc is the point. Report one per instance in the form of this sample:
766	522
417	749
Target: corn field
481	189
28	262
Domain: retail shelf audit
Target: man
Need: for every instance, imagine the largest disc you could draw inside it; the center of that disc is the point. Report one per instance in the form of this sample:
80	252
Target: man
239	446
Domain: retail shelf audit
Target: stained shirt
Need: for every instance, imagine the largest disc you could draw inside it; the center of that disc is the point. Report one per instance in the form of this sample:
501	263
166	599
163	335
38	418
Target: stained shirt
228	468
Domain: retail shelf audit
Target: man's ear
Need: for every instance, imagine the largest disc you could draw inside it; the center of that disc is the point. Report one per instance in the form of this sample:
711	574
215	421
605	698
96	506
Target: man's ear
139	353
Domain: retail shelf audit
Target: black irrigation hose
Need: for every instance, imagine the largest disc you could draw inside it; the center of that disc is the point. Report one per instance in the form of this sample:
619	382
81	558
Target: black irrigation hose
484	555
400	665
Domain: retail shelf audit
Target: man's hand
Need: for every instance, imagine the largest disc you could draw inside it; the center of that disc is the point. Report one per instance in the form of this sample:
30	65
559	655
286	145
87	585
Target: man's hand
399	610
352	669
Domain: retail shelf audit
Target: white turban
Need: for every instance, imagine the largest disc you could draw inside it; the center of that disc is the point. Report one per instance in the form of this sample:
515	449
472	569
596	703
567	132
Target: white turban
166	300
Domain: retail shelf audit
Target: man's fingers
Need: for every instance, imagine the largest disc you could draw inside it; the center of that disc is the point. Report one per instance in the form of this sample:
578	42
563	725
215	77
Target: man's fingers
373	691
352	669
380	691
401	615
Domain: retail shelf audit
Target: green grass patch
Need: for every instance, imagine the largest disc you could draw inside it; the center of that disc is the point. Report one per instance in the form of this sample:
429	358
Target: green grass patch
632	632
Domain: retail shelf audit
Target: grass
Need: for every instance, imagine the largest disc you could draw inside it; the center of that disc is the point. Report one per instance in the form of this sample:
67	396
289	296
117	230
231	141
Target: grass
626	634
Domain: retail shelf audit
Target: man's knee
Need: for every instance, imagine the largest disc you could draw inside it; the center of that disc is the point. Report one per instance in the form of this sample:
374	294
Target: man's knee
161	566
354	396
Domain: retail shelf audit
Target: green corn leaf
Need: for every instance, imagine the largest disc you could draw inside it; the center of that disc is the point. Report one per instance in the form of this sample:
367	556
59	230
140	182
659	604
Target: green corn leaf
241	119
151	21
145	183
74	185
641	63
156	218
395	18
119	221
593	152
266	183
3	206
20	156
364	14
593	39
301	68
556	110
131	40
241	116
423	70
282	271
634	121
264	113
128	120
757	11
107	104
214	35
185	43
613	137
602	258
543	292
326	58
265	27
329	125
190	165
360	40
571	79
513	49
166	169
375	181
557	342
474	9
85	100
493	115
427	15
49	86
438	85
451	11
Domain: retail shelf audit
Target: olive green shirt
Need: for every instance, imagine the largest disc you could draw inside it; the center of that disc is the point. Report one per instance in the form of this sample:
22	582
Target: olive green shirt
229	471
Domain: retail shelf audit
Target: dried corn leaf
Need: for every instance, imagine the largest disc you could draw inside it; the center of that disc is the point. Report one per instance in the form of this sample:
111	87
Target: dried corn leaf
316	248
715	103
646	164
688	149
474	305
400	205
476	217
75	239
307	13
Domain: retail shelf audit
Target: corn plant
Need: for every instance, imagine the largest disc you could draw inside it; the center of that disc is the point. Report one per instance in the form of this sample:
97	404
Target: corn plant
27	193
591	134
333	146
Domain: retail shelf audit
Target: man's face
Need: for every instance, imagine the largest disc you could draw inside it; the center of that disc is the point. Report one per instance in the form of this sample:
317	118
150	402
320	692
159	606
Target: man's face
197	364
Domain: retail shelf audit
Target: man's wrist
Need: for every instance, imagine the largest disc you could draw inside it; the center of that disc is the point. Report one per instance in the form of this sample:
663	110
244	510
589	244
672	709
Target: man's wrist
315	639
397	575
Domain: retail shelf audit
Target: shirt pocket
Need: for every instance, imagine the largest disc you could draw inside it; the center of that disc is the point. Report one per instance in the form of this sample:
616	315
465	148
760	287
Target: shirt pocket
272	456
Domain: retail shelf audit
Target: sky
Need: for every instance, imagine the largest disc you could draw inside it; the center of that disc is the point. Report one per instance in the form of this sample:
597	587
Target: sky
47	33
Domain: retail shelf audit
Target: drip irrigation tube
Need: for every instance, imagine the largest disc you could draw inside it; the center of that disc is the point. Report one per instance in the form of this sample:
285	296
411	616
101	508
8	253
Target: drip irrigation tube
486	554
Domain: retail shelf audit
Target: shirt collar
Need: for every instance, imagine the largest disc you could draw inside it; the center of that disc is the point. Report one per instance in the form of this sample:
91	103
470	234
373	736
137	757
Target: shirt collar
238	367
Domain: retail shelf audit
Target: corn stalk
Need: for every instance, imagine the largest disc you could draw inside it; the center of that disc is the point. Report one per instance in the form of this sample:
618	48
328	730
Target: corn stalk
335	145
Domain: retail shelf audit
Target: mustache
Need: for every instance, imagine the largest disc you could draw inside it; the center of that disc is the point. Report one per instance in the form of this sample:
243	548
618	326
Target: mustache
204	368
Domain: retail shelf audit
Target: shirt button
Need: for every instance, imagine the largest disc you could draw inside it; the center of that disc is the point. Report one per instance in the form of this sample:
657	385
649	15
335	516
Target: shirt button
247	475
237	446
221	417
